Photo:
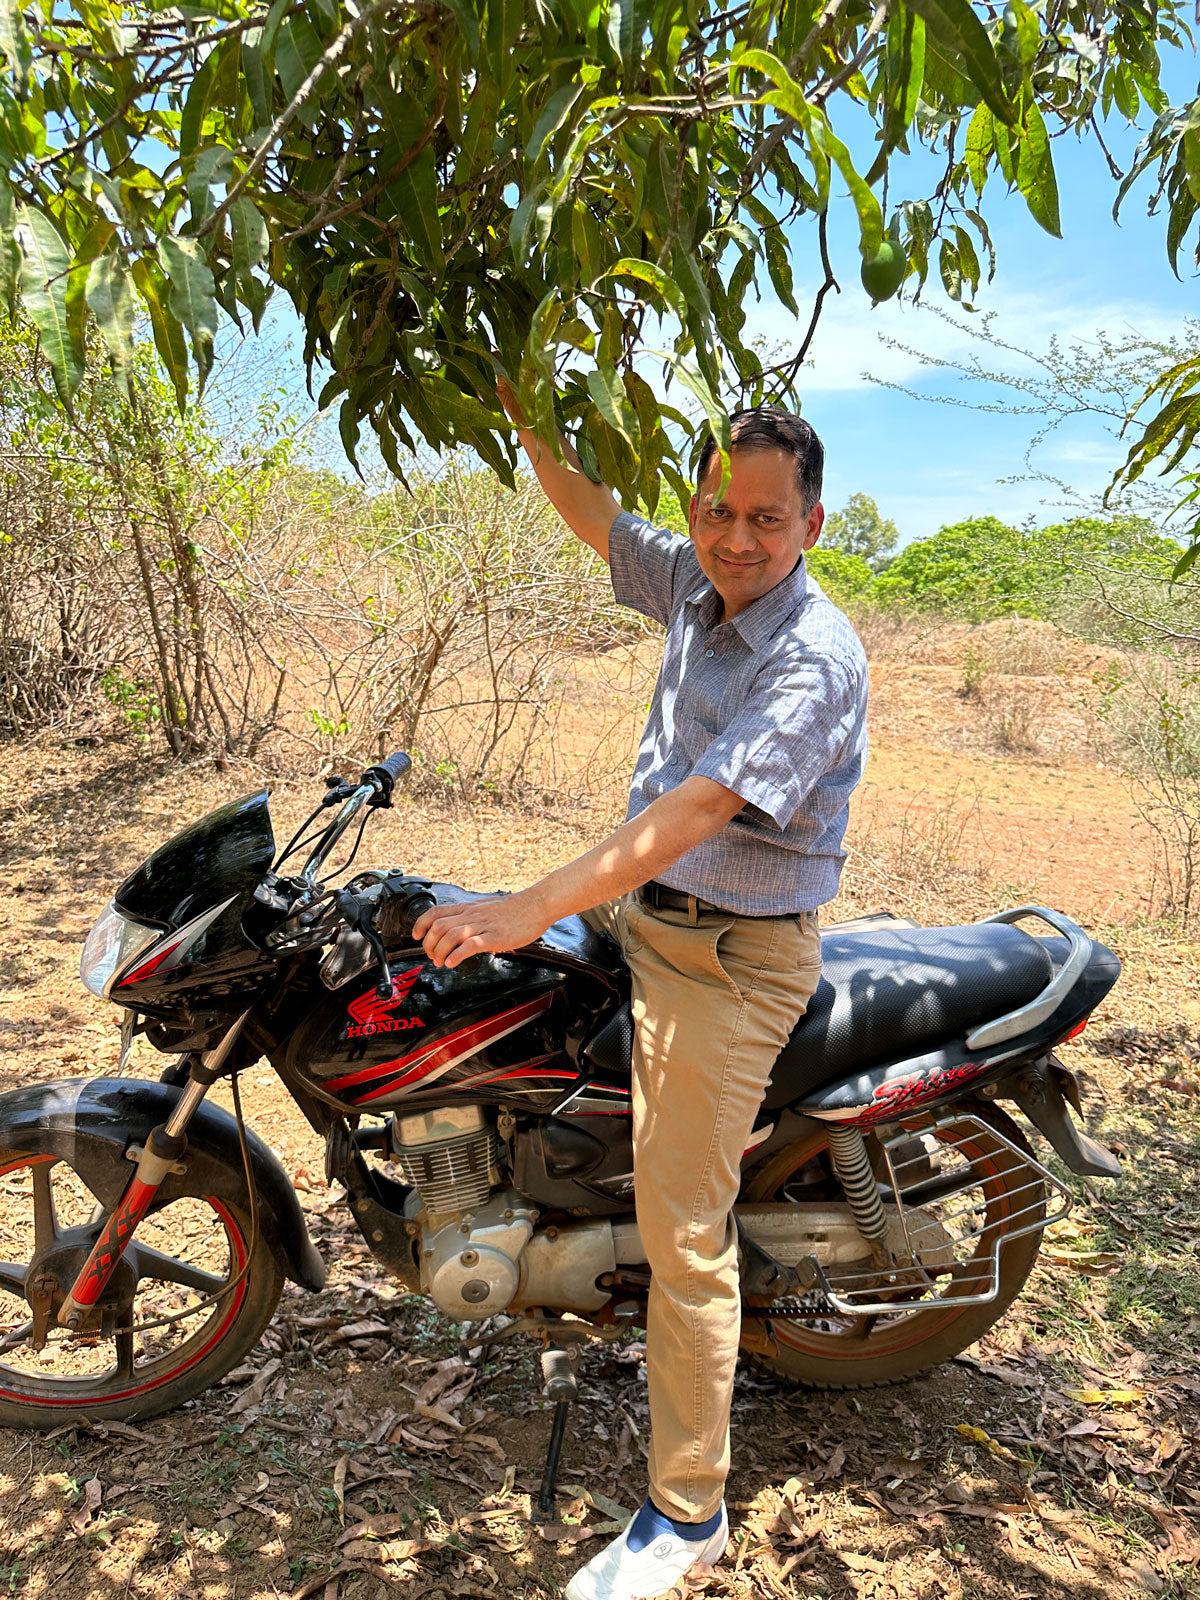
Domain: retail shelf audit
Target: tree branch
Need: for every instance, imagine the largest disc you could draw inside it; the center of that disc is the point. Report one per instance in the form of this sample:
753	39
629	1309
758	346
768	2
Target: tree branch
279	127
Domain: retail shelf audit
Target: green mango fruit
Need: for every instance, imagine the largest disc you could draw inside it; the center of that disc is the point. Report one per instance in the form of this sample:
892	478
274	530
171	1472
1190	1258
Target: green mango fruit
884	272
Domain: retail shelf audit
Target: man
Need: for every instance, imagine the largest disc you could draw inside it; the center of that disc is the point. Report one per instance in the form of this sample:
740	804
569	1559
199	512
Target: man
756	738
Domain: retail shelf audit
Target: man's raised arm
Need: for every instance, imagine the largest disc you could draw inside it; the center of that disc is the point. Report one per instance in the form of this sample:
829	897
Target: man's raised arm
587	508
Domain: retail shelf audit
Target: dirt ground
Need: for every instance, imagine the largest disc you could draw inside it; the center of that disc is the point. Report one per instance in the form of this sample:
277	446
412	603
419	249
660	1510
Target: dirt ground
363	1451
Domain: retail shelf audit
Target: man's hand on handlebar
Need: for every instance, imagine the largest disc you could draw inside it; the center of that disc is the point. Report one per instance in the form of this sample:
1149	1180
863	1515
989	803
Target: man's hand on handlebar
451	934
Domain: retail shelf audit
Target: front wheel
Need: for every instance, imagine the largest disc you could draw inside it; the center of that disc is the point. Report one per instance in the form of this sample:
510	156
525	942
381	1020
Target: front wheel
171	1327
981	1195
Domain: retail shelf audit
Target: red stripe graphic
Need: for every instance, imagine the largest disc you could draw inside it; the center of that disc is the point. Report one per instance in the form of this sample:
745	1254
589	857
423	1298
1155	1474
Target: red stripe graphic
150	966
444	1053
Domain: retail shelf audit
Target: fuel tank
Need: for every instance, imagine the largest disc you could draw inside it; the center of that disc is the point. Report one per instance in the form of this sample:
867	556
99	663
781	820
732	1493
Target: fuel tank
499	1028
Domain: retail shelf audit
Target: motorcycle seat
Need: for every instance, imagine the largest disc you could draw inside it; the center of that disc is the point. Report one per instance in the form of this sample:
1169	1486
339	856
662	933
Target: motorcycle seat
888	994
884	994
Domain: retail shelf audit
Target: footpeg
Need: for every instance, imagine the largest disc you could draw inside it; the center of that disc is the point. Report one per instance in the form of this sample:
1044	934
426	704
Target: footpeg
765	1278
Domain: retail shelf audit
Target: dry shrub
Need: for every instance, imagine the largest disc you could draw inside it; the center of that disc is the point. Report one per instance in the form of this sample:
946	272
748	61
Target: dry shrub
1149	719
889	634
1015	711
446	622
1012	672
930	862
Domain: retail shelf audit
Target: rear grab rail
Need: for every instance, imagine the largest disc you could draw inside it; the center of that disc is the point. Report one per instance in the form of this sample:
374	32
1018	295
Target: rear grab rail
1052	996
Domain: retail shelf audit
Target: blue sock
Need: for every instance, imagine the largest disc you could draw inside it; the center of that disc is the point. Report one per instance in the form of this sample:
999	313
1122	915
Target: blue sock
650	1524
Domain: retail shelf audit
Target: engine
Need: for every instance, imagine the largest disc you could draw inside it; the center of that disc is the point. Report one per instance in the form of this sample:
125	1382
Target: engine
479	1250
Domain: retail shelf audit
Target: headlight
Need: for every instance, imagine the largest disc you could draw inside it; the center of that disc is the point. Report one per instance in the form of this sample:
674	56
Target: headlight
111	945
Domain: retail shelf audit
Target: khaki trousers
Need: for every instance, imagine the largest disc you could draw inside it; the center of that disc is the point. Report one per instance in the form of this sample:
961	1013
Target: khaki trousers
714	1000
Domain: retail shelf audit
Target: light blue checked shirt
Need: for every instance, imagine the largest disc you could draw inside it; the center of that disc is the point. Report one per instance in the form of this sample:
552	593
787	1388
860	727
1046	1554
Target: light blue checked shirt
772	705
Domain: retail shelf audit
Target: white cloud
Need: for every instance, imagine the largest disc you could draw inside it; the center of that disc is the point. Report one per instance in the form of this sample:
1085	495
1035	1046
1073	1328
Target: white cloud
850	338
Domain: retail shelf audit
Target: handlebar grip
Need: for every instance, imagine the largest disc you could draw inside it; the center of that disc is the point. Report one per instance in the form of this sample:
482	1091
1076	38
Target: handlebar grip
388	773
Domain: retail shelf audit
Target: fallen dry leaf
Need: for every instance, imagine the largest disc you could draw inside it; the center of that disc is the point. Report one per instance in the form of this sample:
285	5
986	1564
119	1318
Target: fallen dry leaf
252	1395
1105	1397
386	1550
981	1436
83	1513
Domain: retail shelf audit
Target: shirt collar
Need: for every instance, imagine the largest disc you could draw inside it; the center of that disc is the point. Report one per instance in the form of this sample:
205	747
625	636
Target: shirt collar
763	618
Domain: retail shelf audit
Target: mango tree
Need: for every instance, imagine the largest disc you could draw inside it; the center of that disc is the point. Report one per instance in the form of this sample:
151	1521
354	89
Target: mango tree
561	190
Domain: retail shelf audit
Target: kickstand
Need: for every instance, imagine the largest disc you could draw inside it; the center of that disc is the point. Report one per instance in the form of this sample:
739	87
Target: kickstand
558	1370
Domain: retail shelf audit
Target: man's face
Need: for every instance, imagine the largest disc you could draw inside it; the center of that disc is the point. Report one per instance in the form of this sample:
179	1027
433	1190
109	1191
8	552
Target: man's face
755	536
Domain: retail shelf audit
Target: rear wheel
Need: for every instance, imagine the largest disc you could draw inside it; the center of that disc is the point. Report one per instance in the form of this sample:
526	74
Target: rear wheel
173	1275
996	1191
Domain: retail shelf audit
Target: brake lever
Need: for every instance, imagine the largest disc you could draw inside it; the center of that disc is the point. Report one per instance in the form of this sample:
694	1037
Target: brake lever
359	916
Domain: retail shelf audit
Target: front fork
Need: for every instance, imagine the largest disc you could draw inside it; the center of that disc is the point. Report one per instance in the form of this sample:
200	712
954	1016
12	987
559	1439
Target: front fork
161	1155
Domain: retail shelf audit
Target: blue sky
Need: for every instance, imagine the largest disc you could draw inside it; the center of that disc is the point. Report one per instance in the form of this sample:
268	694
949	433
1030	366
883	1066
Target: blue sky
925	464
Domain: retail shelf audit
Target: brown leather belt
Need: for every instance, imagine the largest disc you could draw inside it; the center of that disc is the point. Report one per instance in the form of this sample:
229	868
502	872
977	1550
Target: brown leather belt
660	897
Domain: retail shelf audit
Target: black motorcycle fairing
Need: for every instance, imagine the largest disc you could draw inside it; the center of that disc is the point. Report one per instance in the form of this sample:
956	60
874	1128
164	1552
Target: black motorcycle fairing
225	853
217	862
90	1123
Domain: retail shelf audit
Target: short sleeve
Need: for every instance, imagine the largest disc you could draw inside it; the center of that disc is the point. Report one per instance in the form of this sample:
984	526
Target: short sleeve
792	729
643	562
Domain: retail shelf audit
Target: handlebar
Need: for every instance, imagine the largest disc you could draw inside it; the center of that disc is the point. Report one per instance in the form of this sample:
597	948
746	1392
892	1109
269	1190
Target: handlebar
388	773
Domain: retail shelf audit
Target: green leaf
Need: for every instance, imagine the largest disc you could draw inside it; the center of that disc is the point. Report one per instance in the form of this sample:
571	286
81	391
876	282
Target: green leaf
413	191
10	255
1191	160
649	272
193	297
110	301
14	41
45	263
1186	562
554	114
951	270
168	334
714	412
1035	172
981	142
955	24
780	267
627	24
968	259
195	107
870	214
297	51
258	62
521	223
211	168
248	236
607	392
468	23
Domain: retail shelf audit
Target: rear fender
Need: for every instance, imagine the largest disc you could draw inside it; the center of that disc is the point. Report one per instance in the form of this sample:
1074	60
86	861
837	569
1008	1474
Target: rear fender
90	1123
1042	1090
886	1093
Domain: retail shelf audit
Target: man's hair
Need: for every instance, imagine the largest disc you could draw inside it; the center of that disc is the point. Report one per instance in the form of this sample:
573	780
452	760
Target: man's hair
772	428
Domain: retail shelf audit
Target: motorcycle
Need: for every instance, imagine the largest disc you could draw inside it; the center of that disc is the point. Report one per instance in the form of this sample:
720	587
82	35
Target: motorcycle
479	1122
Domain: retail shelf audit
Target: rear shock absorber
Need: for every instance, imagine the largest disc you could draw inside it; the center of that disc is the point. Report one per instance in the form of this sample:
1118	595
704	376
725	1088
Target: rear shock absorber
848	1149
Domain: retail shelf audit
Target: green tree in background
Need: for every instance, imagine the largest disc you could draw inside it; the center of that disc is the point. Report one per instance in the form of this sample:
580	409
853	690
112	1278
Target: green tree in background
860	530
845	578
976	570
557	185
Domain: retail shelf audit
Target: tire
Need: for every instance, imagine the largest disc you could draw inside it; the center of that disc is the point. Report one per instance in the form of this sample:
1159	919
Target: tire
896	1349
69	1379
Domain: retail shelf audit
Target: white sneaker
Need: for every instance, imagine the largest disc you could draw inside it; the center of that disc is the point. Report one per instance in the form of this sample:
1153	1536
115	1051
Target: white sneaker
619	1573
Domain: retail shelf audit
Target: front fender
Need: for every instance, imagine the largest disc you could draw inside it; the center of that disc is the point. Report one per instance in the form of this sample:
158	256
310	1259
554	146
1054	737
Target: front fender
90	1123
